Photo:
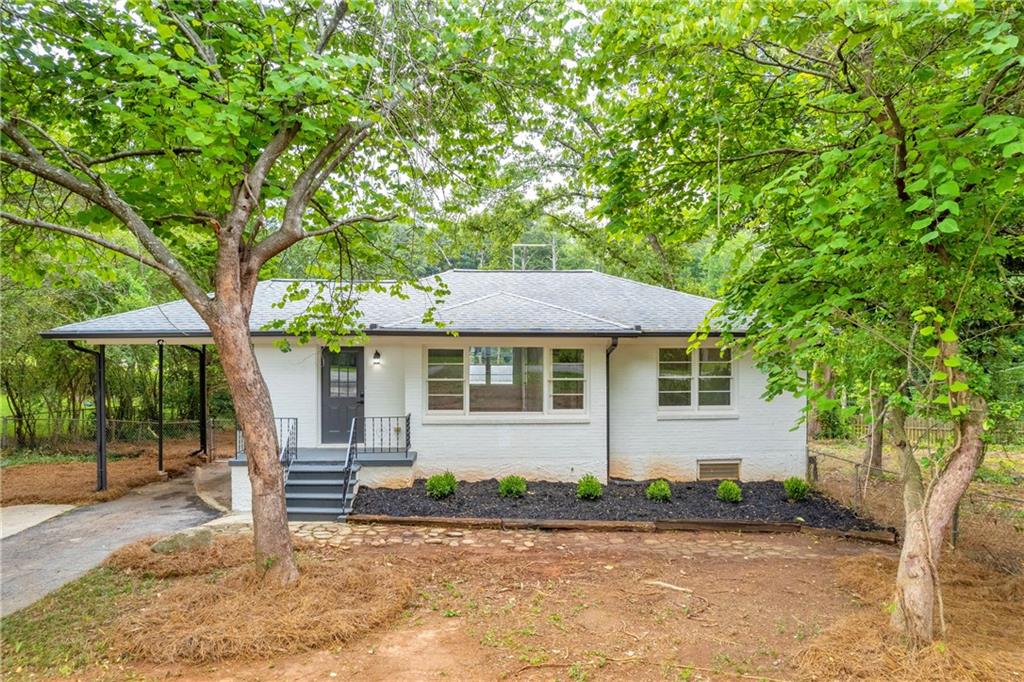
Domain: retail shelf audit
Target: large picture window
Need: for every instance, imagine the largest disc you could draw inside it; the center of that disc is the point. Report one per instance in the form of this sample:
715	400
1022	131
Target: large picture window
700	379
567	379
506	379
445	379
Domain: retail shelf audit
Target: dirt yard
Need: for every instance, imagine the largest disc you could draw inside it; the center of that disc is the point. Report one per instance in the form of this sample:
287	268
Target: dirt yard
134	465
531	605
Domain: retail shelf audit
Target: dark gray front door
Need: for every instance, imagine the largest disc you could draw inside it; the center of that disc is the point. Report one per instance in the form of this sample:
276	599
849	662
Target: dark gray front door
341	393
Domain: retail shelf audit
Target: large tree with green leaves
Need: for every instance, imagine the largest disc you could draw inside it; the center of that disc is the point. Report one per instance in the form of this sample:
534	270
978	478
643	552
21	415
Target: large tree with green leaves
202	139
873	150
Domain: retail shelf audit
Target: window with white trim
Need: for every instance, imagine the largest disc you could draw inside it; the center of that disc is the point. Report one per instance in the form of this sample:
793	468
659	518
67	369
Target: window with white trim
445	379
506	379
714	383
567	379
701	379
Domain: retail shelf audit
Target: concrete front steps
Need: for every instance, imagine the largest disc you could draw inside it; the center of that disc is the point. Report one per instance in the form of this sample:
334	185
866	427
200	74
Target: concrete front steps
315	491
314	487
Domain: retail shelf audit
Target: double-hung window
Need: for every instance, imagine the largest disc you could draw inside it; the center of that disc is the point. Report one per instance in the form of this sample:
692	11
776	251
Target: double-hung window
567	379
445	379
688	381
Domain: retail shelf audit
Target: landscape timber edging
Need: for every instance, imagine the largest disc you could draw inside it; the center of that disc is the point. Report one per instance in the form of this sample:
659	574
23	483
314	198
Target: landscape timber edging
713	525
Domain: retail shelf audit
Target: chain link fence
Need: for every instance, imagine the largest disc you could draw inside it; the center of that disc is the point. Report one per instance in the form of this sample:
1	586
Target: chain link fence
988	527
63	434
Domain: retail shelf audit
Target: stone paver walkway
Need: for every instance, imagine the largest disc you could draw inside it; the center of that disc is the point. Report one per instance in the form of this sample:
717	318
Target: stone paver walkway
687	544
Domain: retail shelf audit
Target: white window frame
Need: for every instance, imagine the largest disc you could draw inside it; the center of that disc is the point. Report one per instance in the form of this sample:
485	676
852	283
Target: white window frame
428	381
695	376
548	413
550	387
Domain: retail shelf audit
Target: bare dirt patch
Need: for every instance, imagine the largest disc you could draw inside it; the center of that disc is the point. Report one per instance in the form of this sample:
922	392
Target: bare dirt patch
607	607
528	605
75	482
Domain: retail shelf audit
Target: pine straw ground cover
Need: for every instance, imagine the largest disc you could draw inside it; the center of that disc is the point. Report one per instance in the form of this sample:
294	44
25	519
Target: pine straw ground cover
75	482
984	613
199	605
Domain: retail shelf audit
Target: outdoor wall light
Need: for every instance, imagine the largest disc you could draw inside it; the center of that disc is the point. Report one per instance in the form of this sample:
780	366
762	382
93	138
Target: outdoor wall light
376	358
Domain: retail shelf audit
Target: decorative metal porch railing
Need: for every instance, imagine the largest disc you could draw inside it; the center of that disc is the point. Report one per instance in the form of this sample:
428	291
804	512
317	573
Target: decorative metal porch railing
386	434
287	439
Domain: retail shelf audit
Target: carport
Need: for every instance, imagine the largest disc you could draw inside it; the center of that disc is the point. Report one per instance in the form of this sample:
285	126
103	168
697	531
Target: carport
195	341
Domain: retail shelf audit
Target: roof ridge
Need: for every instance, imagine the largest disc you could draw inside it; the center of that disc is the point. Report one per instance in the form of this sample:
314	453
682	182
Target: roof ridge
656	286
454	305
569	310
509	270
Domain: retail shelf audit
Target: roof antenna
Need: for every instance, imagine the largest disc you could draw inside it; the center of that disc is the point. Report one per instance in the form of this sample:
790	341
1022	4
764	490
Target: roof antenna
523	250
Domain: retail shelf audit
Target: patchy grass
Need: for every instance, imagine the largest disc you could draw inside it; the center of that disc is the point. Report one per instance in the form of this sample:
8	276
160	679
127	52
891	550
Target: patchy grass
64	631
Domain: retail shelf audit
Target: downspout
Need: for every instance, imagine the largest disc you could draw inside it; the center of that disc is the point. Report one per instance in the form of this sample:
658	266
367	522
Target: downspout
608	406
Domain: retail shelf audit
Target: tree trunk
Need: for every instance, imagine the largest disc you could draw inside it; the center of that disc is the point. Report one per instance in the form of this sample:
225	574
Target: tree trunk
914	601
928	516
873	446
255	415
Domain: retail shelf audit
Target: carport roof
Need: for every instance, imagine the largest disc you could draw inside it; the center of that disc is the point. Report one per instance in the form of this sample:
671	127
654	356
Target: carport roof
479	302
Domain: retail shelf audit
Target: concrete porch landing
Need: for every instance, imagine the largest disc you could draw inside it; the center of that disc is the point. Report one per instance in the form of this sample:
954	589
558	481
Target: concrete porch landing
396	458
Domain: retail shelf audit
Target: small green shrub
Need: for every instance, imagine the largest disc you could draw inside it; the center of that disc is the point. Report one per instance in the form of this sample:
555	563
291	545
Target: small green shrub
512	486
589	488
729	491
796	488
440	486
658	491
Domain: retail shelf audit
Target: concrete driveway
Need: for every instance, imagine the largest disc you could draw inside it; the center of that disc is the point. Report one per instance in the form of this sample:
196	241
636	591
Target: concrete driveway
40	559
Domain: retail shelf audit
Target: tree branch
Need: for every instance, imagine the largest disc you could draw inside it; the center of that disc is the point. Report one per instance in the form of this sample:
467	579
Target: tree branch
204	51
129	153
325	36
362	217
87	236
900	133
33	162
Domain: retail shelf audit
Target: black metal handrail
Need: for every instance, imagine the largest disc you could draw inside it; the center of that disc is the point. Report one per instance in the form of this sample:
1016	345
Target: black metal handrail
387	434
351	454
287	439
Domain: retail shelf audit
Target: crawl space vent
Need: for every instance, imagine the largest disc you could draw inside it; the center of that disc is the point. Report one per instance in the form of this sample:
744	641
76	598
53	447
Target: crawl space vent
716	469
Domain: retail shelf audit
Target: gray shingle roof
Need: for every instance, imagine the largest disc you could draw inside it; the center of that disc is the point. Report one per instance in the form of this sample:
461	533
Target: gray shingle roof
567	302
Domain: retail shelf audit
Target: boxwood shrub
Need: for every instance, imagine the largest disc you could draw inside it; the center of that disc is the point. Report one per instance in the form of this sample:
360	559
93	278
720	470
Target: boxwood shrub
512	486
589	488
796	488
729	491
440	486
659	491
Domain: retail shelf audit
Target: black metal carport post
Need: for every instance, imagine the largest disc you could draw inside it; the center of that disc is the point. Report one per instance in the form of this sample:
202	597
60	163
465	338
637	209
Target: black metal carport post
204	410
101	411
160	406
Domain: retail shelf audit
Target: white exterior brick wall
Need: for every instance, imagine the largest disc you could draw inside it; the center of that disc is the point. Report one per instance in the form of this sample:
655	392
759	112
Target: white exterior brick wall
646	443
551	446
293	378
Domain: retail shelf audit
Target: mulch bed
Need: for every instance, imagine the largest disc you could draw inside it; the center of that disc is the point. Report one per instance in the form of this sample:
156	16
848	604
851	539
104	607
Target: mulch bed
762	501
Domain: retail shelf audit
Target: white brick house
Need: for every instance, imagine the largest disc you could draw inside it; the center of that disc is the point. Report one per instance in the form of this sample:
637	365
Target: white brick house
552	375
